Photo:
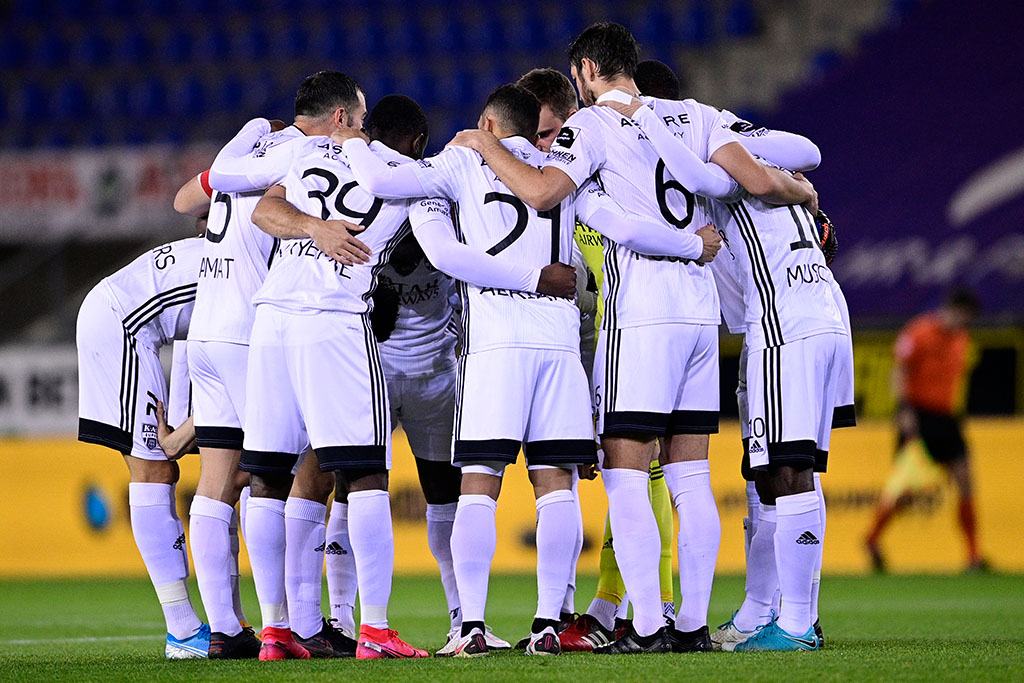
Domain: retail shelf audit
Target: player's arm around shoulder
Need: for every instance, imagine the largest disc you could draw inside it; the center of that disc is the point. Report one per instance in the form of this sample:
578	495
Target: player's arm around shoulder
768	184
541	188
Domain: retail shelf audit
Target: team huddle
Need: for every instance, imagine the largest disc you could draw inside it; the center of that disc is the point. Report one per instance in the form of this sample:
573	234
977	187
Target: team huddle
551	283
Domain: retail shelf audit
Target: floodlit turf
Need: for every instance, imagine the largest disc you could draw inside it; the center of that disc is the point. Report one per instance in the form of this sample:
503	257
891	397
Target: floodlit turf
878	628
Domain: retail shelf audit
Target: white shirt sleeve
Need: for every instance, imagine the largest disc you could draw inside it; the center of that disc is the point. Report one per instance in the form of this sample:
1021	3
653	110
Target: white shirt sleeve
783	149
432	224
578	150
597	210
248	162
705	179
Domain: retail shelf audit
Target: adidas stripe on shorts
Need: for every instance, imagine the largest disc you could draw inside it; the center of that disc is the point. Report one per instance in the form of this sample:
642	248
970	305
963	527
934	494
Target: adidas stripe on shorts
791	396
534	398
317	380
120	380
657	379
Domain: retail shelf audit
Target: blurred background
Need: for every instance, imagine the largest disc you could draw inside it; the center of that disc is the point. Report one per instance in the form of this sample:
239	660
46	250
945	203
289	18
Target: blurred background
108	106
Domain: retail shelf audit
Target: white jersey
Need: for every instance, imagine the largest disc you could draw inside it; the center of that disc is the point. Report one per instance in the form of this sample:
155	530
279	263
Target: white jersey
237	254
320	183
600	143
772	259
492	219
154	294
422	343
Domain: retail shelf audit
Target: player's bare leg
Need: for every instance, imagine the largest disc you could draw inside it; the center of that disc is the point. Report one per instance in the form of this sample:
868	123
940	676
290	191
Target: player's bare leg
960	473
160	538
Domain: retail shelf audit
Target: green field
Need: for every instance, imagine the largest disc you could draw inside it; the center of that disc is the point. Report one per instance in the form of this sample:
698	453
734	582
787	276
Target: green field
877	628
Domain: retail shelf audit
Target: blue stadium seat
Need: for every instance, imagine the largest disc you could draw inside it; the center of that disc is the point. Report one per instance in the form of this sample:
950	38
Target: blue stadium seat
697	24
212	43
13	52
149	98
251	43
178	45
293	43
740	19
91	51
132	47
188	97
51	51
71	102
32	103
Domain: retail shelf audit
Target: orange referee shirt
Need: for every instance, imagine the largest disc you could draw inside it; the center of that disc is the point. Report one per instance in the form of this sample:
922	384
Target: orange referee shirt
934	361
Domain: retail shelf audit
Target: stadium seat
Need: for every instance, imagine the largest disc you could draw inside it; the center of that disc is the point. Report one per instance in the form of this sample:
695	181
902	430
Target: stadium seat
740	19
13	52
91	51
51	51
71	102
132	47
188	97
177	46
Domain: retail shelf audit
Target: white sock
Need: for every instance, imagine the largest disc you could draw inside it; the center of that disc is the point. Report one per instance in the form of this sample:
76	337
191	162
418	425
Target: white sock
243	504
604	611
569	603
474	538
440	519
556	542
210	526
700	532
637	544
341	570
160	539
236	593
305	524
373	544
750	521
797	546
622	609
816	579
762	577
264	537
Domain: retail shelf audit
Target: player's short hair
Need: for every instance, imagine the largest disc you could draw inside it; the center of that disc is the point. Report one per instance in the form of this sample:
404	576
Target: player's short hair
963	298
516	108
323	92
552	88
657	79
610	46
395	118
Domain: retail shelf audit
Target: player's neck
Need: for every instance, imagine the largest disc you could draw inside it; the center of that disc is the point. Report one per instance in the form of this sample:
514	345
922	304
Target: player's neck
311	126
623	83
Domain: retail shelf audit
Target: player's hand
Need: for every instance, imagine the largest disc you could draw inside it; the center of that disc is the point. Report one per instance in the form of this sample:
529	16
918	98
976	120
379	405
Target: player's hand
812	203
712	243
164	431
342	134
336	239
277	124
558	280
587	471
474	138
626	110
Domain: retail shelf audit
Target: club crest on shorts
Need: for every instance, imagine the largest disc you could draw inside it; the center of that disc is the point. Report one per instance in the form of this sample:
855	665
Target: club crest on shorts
149	436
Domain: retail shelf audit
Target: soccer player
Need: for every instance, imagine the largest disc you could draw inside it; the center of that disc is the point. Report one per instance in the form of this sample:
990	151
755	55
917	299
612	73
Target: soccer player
314	367
598	624
933	360
236	260
795	344
658	353
122	324
488	437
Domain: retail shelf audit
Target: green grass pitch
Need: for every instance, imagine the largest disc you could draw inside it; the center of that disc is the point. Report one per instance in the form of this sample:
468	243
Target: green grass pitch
877	628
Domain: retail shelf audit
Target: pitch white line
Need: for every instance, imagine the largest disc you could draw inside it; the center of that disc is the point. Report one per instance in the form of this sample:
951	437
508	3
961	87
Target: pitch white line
98	639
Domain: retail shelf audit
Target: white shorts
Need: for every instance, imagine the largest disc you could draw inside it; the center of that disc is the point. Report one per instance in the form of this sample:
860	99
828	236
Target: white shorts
318	380
845	414
119	382
534	398
426	408
179	394
218	372
791	395
657	380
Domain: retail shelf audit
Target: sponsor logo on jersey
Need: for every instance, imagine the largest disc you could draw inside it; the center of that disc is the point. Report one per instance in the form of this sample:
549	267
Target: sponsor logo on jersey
567	137
149	436
562	156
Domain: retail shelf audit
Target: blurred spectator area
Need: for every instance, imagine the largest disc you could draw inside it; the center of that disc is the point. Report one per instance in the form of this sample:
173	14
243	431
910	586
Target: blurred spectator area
104	76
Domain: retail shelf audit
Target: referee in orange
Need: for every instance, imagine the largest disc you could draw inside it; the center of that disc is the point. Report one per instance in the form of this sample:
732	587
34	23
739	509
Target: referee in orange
930	373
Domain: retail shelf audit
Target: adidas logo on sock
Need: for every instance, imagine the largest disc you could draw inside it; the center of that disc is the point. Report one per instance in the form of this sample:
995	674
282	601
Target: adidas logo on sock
807	538
453	614
180	543
319	548
334	549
